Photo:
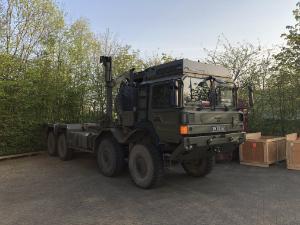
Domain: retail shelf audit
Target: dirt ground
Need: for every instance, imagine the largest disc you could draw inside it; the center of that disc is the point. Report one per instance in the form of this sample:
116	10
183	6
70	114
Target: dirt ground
44	190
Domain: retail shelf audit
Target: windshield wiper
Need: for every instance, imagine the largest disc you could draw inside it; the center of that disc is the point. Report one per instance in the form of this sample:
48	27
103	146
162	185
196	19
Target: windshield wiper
211	78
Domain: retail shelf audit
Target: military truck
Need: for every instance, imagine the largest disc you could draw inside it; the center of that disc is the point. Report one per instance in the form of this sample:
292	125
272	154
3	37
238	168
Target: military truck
178	112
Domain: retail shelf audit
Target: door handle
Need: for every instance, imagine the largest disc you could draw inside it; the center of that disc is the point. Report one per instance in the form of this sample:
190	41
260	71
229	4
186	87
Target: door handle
157	119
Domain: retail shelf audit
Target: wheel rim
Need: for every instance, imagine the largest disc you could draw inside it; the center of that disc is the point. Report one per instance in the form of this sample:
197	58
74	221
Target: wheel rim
196	168
141	167
105	159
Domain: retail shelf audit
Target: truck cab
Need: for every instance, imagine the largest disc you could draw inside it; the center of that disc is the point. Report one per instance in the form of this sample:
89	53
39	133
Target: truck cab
192	107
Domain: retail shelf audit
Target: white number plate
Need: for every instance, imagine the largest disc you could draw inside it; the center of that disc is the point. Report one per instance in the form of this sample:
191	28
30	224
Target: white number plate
218	129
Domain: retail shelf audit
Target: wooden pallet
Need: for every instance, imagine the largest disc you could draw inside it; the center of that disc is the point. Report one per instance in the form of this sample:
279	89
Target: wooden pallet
290	167
262	150
255	164
293	151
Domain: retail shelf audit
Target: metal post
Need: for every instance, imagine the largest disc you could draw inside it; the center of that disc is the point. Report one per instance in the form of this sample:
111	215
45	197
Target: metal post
106	60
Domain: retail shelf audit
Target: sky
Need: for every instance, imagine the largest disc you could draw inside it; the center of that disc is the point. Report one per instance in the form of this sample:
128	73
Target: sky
183	28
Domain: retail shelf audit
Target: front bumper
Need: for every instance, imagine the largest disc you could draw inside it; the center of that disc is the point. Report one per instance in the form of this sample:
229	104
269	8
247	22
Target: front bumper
213	140
196	146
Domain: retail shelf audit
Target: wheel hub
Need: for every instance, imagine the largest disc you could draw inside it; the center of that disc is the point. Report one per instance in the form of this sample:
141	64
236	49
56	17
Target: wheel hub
141	167
106	157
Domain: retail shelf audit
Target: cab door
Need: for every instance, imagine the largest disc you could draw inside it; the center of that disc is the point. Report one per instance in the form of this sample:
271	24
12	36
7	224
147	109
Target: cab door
164	111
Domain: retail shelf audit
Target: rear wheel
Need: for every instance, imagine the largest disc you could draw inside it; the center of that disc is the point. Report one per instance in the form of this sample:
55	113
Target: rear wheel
199	168
110	157
64	152
145	165
51	144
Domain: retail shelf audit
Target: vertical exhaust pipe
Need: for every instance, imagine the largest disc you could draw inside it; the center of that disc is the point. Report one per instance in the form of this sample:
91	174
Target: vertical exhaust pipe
107	65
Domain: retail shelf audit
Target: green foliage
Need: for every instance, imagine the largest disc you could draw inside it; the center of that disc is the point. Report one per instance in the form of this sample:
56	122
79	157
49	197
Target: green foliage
50	72
286	78
275	80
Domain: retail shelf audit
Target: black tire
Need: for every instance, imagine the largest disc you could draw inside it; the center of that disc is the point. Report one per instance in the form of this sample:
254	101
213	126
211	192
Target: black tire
64	152
199	168
110	157
51	144
145	166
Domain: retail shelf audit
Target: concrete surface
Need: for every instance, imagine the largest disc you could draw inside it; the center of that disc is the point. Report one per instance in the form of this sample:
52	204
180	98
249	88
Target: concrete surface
44	190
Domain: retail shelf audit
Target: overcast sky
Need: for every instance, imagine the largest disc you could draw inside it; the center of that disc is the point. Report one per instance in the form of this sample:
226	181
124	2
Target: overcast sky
184	27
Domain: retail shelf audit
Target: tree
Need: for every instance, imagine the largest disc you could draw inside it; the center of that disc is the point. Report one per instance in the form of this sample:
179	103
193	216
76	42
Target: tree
50	71
157	59
27	24
254	65
287	77
289	57
239	58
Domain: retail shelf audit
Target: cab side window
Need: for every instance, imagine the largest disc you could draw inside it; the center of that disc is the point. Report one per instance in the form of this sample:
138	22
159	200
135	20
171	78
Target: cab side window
161	96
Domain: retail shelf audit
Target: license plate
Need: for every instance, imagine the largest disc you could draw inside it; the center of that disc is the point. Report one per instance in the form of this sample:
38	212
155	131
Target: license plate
218	129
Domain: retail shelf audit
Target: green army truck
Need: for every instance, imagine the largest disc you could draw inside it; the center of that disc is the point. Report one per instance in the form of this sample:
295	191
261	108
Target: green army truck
178	112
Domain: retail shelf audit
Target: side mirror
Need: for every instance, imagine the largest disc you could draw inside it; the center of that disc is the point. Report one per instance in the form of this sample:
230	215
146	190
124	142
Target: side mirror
201	84
174	93
250	96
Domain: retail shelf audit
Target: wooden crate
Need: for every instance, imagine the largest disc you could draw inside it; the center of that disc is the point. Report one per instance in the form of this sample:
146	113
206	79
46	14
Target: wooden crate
262	150
293	151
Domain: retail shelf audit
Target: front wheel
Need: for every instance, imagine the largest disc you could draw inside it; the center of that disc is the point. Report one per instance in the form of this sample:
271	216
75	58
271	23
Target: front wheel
145	165
199	168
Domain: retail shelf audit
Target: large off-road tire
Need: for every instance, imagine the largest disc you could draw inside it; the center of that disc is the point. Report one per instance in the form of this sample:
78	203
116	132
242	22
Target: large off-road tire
64	152
199	168
51	144
110	157
145	165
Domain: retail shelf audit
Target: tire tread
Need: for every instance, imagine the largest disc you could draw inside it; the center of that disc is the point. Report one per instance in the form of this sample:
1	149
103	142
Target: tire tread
157	165
208	168
69	153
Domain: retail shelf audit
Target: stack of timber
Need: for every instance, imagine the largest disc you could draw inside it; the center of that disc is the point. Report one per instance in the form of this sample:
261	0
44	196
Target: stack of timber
293	151
262	150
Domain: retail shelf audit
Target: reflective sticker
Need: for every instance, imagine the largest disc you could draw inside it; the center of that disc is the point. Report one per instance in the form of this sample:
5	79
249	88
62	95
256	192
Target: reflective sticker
253	145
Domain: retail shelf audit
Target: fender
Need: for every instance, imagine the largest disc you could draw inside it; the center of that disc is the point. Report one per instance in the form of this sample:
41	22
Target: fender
56	128
121	136
134	135
151	132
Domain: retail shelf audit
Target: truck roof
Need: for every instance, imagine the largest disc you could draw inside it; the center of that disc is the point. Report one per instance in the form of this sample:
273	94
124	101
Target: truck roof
182	67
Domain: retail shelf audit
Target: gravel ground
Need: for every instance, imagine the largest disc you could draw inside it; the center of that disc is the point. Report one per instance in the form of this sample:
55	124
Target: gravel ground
44	190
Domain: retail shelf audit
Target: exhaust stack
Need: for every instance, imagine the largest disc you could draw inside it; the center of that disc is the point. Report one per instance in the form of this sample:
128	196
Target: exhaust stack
107	65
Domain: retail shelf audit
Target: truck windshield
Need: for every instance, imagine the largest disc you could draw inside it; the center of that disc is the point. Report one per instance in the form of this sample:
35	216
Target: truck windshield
199	92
